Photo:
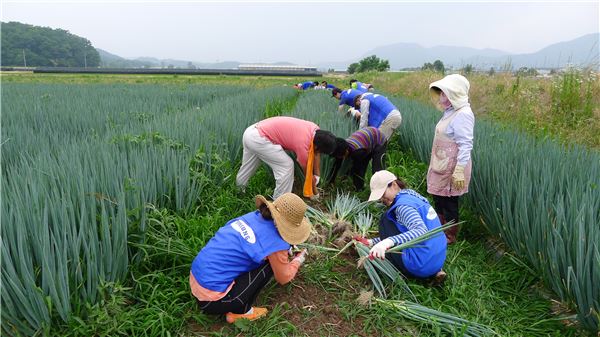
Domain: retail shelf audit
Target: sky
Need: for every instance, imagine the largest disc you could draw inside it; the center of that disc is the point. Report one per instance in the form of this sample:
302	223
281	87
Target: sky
304	32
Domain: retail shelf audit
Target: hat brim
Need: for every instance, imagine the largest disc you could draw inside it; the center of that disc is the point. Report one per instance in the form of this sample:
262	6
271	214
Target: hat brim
292	233
377	194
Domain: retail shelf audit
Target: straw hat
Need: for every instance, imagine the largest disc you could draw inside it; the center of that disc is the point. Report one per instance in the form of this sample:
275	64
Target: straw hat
288	213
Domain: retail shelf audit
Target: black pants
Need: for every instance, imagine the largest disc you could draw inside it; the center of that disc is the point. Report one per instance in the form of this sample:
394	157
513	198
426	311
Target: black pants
360	162
447	207
388	228
243	293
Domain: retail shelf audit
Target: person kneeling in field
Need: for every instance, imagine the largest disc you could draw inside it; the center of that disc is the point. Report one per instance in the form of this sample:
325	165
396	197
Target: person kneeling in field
409	216
365	145
230	271
268	140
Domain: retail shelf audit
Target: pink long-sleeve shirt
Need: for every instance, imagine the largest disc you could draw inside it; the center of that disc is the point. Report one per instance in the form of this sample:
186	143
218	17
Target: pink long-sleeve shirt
291	133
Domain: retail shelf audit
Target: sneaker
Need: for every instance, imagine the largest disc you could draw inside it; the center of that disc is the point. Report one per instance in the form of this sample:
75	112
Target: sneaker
256	314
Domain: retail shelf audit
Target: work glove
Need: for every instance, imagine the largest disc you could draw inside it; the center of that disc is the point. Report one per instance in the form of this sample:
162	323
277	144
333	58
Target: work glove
458	177
301	256
292	251
317	179
354	113
378	251
363	240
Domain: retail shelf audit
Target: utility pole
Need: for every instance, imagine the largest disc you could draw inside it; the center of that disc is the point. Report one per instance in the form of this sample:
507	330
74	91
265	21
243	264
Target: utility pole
24	60
85	59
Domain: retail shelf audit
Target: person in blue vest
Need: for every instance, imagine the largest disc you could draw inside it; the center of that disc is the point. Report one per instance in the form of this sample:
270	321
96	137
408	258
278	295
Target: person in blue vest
347	97
231	270
355	84
377	111
409	215
327	86
306	85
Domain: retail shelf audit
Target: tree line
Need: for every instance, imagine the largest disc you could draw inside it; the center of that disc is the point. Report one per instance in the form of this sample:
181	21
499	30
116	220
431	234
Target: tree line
33	46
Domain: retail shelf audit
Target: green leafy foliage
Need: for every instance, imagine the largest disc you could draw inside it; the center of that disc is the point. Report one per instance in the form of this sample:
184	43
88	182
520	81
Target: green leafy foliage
370	63
540	197
77	192
33	46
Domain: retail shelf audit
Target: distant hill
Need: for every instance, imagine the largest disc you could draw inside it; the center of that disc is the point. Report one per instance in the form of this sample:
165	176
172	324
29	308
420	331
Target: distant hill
108	60
413	55
580	51
33	46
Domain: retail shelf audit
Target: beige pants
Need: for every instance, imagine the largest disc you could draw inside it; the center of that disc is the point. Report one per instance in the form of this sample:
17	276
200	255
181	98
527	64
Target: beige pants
258	148
390	123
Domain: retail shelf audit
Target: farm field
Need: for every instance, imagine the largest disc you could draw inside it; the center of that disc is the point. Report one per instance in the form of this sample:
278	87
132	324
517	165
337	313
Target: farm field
112	184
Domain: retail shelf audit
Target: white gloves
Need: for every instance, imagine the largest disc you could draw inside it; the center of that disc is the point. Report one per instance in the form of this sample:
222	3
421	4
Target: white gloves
300	257
458	177
378	251
317	179
354	113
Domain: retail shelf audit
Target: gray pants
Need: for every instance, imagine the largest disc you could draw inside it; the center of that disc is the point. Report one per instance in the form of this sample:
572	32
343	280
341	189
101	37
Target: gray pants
390	123
258	148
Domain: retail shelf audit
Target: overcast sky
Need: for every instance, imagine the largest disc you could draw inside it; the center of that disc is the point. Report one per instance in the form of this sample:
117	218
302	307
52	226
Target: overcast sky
305	32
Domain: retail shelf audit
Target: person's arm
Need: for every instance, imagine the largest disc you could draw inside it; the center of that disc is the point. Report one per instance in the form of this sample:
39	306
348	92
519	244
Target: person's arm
409	217
364	113
462	127
316	168
336	168
284	270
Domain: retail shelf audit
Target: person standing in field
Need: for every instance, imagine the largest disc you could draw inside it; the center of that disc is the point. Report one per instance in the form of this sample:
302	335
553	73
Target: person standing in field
363	146
230	271
377	111
450	166
268	140
409	216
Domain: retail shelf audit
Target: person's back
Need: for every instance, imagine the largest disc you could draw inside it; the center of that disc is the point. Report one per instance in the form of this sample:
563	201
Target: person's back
291	133
379	108
238	247
429	257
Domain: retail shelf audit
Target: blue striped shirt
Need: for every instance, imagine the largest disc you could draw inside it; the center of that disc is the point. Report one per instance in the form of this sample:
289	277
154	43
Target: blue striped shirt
410	218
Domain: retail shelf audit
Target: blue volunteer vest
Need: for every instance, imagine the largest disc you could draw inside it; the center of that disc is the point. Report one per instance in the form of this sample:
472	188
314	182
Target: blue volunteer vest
379	108
347	96
238	247
360	86
307	85
330	86
428	259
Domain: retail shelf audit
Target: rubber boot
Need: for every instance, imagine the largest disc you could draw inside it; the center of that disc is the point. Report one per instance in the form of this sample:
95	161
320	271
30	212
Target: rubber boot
450	232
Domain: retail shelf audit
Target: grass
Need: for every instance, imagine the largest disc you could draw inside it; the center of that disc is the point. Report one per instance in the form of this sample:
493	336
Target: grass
484	285
564	107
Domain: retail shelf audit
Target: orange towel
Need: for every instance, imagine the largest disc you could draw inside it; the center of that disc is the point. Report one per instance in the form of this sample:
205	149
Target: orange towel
308	177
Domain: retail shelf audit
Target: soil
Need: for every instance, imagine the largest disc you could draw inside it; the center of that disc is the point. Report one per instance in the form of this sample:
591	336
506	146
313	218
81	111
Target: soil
313	311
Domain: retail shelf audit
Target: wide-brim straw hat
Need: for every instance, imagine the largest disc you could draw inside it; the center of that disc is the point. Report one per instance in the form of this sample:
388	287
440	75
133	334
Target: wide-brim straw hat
288	214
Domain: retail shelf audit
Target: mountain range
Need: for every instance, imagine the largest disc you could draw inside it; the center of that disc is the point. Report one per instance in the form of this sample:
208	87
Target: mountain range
582	51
